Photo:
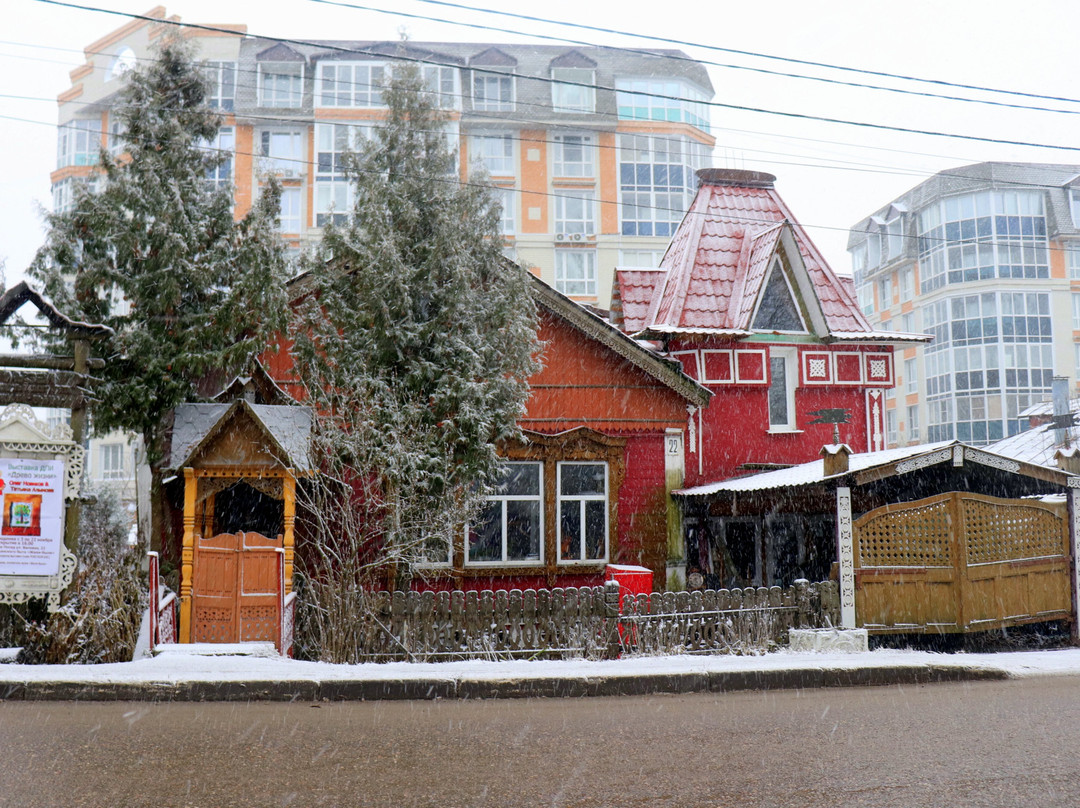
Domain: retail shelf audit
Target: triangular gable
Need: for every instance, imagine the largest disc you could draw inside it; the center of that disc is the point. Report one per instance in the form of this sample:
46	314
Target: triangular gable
230	436
280	53
776	307
20	294
493	57
573	58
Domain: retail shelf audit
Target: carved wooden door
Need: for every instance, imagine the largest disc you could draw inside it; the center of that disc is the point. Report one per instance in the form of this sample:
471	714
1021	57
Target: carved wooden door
234	588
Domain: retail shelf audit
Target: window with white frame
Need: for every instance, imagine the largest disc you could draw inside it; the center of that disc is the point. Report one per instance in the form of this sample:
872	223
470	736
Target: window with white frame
1072	259
1076	365
575	272
290	220
911	375
116	140
333	190
282	152
442	82
1074	204
574	156
493	91
907	284
281	84
350	84
655	99
913	423
1076	311
583	511
79	143
891	433
894	237
907	322
575	212
111	457
221	176
885	292
507	221
572	89
783	375
510	526
657	182
865	294
221	77
495	152
640	258
873	250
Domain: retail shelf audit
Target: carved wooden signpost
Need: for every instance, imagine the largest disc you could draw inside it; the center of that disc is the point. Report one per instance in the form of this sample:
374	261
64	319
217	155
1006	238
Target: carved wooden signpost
41	465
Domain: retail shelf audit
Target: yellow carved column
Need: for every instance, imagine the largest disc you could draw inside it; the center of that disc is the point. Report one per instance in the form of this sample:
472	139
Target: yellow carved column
187	556
288	490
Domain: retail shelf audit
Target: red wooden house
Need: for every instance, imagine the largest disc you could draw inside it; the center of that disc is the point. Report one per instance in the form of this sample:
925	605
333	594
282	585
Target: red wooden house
744	300
590	486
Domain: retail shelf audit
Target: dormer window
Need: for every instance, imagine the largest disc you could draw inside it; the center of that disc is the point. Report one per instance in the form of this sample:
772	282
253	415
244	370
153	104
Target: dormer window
572	89
493	91
281	84
777	309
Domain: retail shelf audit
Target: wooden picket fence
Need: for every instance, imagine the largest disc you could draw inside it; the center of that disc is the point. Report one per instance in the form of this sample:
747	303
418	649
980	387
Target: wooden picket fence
587	623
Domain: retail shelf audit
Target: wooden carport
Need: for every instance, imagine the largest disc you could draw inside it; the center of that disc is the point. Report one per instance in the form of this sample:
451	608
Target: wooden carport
942	537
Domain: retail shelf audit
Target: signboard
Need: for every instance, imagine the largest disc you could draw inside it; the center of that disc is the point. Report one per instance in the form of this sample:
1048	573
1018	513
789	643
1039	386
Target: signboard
31	516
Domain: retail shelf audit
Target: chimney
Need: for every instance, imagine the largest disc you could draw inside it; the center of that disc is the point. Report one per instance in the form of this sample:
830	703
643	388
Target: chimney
1059	391
735	176
835	457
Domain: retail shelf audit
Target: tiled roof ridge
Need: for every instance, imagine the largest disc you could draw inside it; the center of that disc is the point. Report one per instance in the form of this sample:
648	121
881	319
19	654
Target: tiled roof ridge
738	290
684	270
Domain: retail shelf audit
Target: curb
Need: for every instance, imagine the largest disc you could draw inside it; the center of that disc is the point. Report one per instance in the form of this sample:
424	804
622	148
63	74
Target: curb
543	687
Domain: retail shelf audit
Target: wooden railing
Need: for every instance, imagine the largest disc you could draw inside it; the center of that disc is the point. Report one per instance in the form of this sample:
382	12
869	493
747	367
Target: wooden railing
585	623
162	607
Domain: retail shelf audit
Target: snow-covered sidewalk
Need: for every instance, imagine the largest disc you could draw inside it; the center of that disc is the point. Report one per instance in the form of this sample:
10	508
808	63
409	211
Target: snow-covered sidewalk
179	675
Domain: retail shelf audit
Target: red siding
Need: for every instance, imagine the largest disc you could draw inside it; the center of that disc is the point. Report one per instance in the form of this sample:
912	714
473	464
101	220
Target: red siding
642	519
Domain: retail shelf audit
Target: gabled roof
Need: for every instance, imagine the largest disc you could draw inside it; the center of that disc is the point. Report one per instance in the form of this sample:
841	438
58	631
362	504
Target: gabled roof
631	297
495	57
722	253
14	298
667	371
287	430
573	58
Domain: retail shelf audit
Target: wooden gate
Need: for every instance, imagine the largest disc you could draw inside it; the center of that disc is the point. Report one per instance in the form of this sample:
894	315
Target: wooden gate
235	588
962	562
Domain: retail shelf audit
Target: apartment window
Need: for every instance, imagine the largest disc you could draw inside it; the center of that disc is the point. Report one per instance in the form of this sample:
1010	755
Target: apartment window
865	294
657	182
1074	204
282	153
349	84
79	143
981	236
333	190
885	292
873	249
495	153
1072	259
1076	311
858	261
913	423
782	379
648	99
221	176
575	272
907	284
572	90
281	84
493	92
575	213
442	83
290	221
116	138
1076	364
894	237
891	433
574	156
583	511
507	222
907	322
911	376
640	258
112	461
221	76
510	526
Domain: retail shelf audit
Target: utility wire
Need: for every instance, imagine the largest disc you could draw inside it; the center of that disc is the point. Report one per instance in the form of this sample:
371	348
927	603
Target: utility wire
548	80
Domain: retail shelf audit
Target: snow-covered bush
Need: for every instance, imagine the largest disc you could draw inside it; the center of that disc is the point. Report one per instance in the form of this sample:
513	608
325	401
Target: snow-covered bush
99	622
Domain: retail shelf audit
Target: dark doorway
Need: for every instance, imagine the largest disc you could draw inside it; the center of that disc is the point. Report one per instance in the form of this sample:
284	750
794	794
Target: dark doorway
243	508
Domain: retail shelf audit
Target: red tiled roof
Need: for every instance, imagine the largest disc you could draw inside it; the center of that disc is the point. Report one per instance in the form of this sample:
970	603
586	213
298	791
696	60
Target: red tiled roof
634	289
719	257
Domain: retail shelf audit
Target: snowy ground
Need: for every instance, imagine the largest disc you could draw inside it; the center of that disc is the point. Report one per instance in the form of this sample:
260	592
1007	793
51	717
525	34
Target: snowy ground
178	666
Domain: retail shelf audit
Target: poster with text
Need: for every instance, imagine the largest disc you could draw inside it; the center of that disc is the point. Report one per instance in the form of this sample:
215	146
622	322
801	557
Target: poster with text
32	517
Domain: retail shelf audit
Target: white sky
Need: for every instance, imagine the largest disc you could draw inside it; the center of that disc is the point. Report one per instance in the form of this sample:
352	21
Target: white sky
831	175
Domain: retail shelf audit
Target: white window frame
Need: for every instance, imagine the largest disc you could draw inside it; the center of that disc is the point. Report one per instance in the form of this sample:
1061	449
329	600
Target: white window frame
582	500
492	78
281	152
788	356
907	284
225	141
891	432
911	375
356	85
575	213
580	283
444	84
507	220
913	423
291	218
111	461
221	76
503	500
562	163
885	292
79	143
289	96
894	234
641	258
1076	311
1074	205
334	195
494	151
572	96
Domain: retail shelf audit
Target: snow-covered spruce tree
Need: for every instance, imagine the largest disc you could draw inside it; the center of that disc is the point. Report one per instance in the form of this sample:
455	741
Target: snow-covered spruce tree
416	340
201	289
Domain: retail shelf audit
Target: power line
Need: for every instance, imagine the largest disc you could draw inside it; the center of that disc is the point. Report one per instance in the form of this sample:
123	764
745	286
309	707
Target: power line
548	80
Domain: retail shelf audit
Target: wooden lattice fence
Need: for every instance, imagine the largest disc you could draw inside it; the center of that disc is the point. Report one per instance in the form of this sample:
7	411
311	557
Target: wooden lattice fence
586	623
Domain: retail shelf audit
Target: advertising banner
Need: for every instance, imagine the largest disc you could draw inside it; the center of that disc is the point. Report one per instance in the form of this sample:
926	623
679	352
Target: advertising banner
31	516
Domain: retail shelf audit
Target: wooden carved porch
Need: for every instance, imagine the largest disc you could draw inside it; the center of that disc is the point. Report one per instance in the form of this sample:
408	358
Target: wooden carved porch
960	562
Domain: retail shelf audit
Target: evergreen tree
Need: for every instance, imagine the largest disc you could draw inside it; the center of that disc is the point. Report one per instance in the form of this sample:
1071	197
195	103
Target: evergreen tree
157	255
418	336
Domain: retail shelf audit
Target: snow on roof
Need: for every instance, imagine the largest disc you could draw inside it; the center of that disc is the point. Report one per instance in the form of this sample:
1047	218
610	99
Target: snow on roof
1036	445
814	471
289	426
1047	408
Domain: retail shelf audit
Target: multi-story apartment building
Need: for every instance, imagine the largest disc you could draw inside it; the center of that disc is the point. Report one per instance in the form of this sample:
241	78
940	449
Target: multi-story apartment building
986	258
593	151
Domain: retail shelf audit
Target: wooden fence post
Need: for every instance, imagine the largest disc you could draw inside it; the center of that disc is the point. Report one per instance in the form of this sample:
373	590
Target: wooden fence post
611	617
845	538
